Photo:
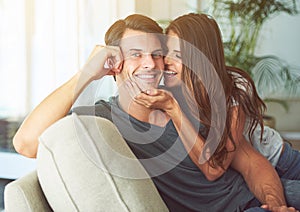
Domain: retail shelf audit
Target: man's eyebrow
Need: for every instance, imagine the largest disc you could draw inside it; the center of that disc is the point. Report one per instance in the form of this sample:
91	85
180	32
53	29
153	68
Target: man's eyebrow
140	50
177	51
158	50
136	50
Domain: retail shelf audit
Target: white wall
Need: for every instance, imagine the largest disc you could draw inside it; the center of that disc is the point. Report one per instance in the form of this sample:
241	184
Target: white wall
165	9
286	120
281	36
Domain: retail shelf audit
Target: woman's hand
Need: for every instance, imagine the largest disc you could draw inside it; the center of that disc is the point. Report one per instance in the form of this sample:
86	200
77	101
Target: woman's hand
153	98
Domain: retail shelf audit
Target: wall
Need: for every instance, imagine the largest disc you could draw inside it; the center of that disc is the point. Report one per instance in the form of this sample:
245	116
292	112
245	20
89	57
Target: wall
165	9
280	37
286	120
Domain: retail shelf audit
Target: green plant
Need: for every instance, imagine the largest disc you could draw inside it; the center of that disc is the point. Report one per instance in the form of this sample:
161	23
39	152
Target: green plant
243	20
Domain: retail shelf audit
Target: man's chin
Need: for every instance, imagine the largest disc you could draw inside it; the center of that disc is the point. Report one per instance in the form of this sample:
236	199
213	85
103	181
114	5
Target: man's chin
148	86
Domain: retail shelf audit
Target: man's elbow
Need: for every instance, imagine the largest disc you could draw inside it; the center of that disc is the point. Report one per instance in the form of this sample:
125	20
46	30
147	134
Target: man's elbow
24	147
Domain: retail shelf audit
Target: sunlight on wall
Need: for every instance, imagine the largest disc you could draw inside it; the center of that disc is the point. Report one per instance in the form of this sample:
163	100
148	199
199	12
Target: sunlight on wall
43	43
12	58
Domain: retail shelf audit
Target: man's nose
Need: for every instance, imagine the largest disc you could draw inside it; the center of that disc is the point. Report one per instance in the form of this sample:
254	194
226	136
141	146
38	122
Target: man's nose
148	61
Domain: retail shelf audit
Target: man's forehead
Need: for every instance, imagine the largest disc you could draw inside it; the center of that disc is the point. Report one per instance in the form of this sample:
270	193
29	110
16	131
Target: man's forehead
133	39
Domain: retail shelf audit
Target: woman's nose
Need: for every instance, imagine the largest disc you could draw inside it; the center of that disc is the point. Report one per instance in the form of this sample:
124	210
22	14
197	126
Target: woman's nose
167	59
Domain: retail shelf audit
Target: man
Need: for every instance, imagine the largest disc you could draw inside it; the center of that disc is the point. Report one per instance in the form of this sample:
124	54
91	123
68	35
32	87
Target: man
135	57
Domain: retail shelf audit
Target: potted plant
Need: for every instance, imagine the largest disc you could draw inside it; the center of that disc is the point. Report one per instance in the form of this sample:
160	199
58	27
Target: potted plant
243	20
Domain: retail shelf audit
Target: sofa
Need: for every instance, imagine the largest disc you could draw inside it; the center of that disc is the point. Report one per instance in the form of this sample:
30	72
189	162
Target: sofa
84	164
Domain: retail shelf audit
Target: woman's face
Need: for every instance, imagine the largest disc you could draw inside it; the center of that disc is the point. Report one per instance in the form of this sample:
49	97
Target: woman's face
173	62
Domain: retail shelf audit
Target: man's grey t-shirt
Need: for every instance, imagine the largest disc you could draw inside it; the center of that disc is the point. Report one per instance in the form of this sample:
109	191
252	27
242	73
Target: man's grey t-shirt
179	181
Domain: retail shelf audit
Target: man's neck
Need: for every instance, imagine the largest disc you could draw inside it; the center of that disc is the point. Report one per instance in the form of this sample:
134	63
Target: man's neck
142	113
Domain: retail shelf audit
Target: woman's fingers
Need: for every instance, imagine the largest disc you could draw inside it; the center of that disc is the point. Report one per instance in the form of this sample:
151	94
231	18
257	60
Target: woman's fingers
132	88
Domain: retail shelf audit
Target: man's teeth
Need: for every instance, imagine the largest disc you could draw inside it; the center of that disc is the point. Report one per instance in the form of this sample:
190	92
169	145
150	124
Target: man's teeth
146	76
170	72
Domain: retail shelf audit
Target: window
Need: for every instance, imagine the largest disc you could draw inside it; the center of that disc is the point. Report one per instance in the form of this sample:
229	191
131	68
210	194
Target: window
43	43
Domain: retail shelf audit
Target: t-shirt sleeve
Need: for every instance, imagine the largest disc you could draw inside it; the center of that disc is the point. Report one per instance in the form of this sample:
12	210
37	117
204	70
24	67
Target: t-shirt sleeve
100	109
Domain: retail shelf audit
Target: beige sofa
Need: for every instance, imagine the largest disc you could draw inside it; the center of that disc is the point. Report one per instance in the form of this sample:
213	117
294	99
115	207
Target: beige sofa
83	164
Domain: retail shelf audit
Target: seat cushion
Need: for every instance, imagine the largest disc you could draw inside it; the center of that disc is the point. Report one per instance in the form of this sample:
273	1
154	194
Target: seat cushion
84	164
25	194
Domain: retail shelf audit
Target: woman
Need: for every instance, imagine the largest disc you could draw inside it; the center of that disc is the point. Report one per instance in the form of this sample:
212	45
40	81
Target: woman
211	88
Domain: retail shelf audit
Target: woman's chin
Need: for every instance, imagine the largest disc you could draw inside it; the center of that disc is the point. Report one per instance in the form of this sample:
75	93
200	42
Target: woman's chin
171	83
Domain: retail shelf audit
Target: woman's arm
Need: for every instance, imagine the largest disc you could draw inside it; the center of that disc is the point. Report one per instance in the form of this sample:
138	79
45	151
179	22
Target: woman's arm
192	141
58	103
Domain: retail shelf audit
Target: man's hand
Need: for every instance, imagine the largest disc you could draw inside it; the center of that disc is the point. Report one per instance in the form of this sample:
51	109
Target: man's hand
104	60
280	208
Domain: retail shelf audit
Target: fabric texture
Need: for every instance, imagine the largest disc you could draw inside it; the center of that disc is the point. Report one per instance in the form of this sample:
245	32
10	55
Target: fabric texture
74	169
25	194
288	169
271	144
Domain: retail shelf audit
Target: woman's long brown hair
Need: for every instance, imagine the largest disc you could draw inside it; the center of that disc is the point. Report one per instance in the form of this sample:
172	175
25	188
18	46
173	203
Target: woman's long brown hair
202	32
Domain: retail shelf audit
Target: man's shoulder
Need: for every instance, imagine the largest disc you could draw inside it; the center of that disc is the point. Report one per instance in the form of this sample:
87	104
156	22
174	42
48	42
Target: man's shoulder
103	104
101	108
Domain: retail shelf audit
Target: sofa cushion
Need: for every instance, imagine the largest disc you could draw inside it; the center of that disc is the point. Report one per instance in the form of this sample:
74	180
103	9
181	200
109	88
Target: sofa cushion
84	164
25	194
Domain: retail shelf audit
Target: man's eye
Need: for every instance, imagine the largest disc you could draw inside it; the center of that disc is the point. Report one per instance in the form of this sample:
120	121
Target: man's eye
136	54
157	55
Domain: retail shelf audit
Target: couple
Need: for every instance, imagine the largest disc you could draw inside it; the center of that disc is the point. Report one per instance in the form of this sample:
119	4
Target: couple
200	132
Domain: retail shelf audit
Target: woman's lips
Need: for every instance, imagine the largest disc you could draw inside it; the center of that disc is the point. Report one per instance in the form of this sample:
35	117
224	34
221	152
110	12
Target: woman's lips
169	73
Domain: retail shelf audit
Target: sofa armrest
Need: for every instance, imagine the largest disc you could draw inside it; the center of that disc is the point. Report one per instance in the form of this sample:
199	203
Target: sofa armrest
82	165
25	194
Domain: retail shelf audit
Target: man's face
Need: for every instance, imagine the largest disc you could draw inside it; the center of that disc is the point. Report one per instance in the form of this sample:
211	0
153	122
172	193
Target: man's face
143	59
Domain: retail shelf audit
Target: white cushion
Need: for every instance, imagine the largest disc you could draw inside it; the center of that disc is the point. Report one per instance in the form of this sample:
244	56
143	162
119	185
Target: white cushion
25	194
79	169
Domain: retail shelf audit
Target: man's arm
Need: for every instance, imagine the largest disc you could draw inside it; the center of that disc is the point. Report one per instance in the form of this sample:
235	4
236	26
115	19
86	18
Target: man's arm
58	103
261	178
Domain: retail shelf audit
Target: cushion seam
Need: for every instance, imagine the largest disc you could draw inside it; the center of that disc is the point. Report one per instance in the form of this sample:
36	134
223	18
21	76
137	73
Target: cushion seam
59	173
106	173
18	187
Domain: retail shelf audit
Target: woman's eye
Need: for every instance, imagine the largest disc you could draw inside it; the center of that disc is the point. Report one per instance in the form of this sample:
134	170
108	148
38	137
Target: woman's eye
178	56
